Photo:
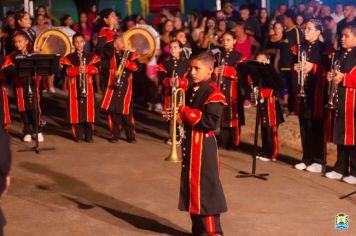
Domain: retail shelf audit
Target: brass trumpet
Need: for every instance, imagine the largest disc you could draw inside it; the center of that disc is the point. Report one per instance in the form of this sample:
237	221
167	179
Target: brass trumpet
332	88
302	58
177	94
82	78
120	69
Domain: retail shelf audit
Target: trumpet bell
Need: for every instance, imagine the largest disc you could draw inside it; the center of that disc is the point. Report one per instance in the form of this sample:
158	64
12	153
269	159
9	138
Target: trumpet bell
173	157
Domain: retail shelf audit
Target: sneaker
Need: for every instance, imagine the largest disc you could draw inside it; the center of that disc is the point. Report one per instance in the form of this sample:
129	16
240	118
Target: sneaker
27	138
52	90
350	179
149	106
40	137
300	166
315	168
263	158
333	175
169	142
247	104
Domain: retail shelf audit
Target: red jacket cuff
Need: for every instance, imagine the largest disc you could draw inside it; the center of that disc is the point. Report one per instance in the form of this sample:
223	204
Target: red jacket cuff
189	115
229	72
131	66
166	82
73	71
350	79
183	83
91	70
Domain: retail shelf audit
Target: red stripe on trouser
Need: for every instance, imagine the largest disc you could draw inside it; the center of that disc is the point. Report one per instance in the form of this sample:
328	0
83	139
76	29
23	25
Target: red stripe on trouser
90	101
7	119
110	121
237	135
349	116
194	182
275	141
74	132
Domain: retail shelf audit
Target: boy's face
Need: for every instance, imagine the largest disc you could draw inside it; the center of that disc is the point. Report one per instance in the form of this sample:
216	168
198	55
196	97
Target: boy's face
20	43
79	43
200	71
348	40
119	44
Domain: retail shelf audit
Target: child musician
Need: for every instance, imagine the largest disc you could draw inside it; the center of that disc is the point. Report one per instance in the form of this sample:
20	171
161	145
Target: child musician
270	110
4	103
118	96
344	129
25	89
80	67
201	192
174	68
233	114
310	108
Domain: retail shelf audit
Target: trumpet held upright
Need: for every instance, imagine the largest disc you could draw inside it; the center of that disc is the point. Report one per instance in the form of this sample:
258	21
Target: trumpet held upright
302	58
332	89
83	77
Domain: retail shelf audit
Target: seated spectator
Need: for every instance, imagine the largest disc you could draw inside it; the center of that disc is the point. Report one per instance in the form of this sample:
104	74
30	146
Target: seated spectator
338	14
40	24
85	28
252	25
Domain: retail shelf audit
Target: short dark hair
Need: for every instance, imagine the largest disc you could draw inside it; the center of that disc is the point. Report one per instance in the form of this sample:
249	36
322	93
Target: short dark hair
349	4
352	28
244	7
176	41
290	14
233	35
76	35
317	24
328	18
206	56
21	33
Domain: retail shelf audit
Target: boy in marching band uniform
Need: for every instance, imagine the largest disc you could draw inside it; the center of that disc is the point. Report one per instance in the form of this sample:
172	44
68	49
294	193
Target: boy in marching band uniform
80	67
233	116
118	96
345	125
25	89
201	193
178	64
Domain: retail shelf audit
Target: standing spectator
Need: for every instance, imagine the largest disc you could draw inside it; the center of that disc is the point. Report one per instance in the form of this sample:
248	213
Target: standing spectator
272	44
349	13
164	15
220	15
208	38
264	23
244	42
40	24
7	32
231	15
301	8
86	29
177	23
42	11
251	23
278	15
287	56
201	23
324	11
222	28
93	17
329	31
299	21
23	23
67	26
167	28
338	15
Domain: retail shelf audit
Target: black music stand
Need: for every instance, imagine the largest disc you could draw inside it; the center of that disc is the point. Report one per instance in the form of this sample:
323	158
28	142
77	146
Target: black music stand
31	65
347	195
258	72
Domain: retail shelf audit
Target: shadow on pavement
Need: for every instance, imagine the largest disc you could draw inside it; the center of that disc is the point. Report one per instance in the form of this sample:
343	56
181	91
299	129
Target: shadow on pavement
81	192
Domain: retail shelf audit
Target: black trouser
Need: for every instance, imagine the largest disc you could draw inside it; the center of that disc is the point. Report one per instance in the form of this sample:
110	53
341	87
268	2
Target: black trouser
269	141
291	84
203	225
83	131
28	118
228	137
346	157
120	121
313	140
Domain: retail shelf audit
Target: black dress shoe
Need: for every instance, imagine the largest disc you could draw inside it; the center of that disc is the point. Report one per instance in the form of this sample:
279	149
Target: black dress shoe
114	140
131	140
89	140
78	140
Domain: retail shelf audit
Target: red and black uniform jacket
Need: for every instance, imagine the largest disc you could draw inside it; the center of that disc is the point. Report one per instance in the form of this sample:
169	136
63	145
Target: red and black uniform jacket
80	109
345	126
201	191
270	86
118	98
313	105
24	100
4	103
165	71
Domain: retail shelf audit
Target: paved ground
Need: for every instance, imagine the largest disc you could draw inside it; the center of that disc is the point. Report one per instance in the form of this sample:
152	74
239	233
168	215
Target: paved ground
127	189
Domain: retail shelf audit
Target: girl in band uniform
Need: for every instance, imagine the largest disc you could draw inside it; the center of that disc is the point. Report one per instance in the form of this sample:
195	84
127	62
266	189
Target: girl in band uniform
80	67
25	88
233	114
